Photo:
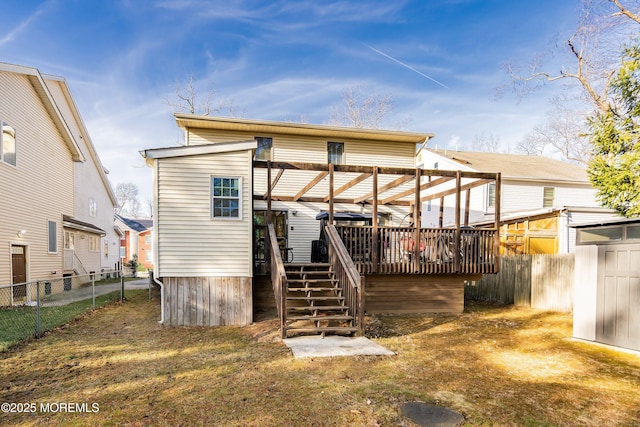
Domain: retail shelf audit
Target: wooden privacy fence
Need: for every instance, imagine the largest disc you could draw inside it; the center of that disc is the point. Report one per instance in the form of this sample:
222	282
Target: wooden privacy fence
537	281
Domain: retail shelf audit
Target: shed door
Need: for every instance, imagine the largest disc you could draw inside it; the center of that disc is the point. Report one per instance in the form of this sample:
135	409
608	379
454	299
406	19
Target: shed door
618	298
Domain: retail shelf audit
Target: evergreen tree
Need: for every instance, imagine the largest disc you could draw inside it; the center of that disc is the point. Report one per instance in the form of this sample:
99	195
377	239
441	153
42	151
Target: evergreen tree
614	168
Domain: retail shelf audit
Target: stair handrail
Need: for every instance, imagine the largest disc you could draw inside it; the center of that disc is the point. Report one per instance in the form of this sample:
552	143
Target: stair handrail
351	282
278	277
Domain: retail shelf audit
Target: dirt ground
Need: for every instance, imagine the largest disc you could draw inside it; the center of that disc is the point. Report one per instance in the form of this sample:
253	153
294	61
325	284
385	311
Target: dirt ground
495	365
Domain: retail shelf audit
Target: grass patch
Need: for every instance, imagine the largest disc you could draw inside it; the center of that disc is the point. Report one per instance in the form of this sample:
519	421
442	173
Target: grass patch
495	365
19	323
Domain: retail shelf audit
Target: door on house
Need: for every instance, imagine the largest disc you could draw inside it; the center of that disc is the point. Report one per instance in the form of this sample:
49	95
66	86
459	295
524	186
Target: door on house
19	270
618	296
279	219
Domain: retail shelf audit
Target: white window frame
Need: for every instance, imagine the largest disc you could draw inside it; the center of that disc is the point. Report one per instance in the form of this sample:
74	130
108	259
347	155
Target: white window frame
94	244
52	228
69	240
491	191
93	208
546	201
213	198
330	154
264	153
5	128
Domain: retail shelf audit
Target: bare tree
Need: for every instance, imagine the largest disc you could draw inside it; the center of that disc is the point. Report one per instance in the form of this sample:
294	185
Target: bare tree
188	99
487	143
565	132
127	197
595	46
149	204
361	109
531	144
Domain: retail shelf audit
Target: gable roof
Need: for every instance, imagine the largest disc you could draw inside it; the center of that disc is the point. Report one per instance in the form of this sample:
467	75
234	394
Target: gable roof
137	225
88	143
302	129
518	166
39	85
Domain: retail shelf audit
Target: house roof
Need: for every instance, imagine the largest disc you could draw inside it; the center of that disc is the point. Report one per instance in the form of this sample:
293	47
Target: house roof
301	129
70	222
194	150
138	225
66	92
40	86
517	166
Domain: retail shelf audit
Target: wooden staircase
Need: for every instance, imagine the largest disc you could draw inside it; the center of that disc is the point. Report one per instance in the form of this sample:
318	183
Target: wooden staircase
315	304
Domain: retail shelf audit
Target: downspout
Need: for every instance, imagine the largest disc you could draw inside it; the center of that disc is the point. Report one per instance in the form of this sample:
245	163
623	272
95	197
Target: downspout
159	283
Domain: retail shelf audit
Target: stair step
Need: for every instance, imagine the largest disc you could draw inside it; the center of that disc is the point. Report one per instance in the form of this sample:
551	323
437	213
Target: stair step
325	329
319	308
321	318
322	281
310	272
326	298
313	289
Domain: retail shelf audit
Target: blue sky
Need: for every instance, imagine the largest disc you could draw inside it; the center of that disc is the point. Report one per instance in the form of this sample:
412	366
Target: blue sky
286	60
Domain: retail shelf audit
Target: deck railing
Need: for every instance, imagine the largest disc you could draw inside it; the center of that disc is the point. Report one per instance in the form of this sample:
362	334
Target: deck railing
278	277
349	279
440	251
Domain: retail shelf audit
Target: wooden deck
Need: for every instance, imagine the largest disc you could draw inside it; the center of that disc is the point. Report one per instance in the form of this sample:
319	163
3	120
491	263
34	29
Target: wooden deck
392	250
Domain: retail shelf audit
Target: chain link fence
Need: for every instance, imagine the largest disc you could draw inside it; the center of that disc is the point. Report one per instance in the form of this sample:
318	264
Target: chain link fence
29	309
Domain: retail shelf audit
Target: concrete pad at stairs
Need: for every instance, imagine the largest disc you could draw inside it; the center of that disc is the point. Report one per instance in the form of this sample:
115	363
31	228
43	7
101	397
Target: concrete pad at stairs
330	346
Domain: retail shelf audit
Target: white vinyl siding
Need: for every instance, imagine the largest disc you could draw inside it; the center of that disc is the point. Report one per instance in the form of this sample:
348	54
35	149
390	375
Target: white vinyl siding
93	201
35	191
189	242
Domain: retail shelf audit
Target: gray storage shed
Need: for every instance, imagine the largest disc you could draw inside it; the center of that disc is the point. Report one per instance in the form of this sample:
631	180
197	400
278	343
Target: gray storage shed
607	283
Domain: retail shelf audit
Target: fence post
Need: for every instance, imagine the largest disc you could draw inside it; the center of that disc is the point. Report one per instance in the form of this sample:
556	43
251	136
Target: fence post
121	287
38	309
93	292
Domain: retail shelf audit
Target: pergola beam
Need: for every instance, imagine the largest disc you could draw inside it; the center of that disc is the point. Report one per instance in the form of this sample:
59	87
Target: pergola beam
310	185
349	184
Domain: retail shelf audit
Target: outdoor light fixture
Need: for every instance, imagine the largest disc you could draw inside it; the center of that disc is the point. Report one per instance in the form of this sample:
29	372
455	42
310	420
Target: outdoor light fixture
21	233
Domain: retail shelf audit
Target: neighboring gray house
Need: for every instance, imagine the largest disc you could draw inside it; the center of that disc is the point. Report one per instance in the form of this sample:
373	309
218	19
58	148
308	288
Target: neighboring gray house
540	199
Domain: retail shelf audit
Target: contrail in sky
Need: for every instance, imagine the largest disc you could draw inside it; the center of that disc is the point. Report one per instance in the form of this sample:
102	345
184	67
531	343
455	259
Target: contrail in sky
405	65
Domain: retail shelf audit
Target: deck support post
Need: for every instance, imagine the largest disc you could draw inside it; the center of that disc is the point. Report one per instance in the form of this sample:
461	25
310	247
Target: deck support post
267	239
441	219
456	246
331	193
467	206
416	222
374	222
496	244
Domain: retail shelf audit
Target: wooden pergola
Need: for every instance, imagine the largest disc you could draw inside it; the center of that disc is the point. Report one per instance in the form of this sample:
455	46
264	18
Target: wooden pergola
375	186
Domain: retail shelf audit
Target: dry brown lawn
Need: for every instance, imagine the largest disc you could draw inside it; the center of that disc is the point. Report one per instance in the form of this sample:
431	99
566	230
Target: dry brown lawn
495	365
